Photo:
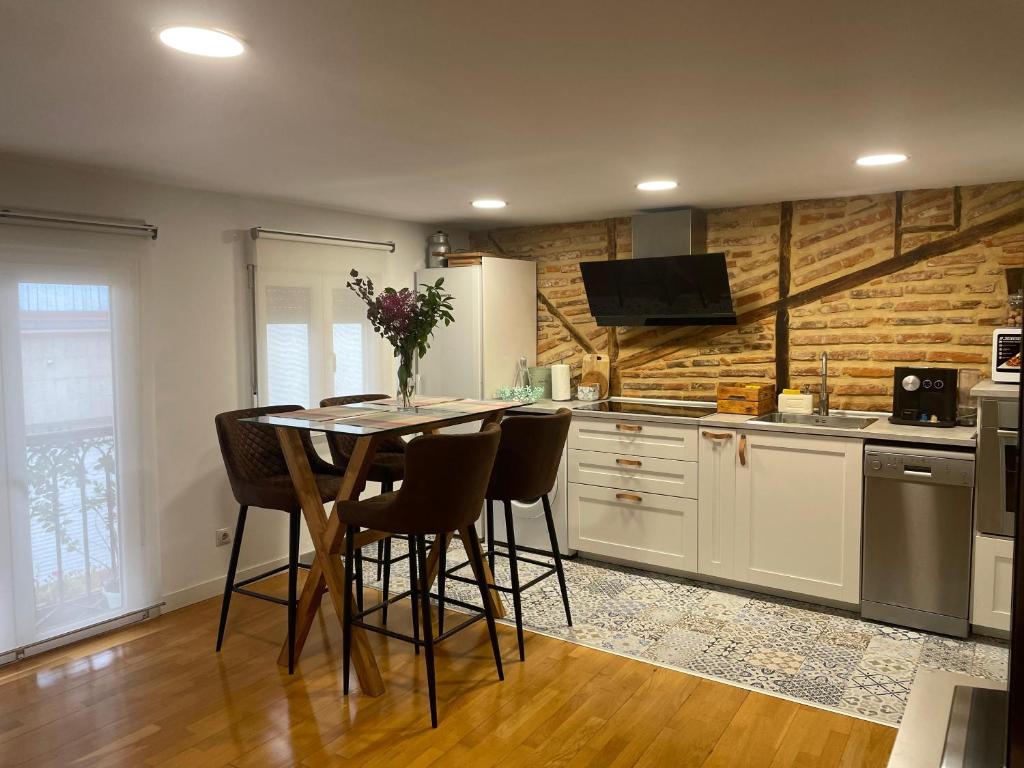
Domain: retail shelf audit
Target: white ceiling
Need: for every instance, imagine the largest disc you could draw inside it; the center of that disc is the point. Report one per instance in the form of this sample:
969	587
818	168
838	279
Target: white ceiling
412	108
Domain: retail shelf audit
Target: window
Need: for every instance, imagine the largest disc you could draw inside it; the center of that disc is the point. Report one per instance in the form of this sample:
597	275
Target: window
312	336
71	508
288	340
355	347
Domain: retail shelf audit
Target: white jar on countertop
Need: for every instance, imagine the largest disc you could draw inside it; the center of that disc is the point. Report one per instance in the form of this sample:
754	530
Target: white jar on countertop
796	403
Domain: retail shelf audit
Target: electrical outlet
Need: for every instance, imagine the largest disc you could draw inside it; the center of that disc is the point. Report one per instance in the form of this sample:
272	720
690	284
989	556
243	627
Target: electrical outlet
222	537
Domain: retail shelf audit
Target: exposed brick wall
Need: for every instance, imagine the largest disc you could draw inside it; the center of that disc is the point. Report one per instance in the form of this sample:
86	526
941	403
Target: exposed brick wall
690	361
939	310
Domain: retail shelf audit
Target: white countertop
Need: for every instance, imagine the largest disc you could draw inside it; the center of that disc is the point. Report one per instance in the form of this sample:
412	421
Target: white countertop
550	406
989	388
880	431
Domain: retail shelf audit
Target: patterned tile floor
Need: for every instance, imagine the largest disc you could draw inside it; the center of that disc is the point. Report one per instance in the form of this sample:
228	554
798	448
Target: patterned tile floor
821	656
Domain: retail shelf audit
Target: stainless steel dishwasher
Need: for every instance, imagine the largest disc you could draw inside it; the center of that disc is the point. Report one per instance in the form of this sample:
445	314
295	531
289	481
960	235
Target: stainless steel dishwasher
918	536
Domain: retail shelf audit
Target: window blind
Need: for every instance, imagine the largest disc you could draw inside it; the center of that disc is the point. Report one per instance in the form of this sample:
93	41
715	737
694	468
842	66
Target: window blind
77	535
312	336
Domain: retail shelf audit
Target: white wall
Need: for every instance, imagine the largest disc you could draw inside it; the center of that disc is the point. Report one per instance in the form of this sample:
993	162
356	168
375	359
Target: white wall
195	310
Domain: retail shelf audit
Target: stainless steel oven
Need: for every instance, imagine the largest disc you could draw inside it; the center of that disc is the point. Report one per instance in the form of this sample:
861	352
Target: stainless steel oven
996	497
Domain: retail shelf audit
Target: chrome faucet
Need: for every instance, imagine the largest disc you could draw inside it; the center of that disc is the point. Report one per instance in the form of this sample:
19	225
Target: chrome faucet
823	397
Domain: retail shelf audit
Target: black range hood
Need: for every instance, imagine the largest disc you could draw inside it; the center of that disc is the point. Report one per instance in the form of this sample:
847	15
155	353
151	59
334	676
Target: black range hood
668	290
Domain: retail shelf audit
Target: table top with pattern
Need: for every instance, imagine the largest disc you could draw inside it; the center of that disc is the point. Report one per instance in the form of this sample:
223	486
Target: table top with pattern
378	417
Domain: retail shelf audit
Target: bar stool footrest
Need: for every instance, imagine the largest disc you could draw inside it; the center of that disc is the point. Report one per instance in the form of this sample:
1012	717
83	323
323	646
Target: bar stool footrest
259	595
239	587
551	571
476	615
384	561
394	598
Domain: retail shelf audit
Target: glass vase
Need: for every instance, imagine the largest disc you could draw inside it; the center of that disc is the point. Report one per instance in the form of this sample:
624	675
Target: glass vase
406	380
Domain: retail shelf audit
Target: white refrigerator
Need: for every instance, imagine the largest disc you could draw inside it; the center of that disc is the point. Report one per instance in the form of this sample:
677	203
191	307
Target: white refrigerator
495	310
495	324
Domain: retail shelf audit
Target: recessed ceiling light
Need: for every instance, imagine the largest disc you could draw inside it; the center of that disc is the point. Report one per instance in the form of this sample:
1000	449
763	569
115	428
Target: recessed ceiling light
489	203
657	185
201	41
886	159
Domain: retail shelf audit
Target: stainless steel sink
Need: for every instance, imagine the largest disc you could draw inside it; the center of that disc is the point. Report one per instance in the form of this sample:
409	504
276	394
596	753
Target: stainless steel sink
813	420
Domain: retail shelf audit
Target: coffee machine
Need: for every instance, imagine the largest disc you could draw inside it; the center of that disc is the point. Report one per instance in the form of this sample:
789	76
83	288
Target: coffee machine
924	397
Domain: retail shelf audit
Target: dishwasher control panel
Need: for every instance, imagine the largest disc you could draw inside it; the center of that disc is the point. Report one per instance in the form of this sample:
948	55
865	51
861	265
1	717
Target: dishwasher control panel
921	465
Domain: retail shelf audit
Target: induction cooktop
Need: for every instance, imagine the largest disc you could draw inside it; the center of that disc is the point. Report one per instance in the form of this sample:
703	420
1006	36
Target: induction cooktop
649	408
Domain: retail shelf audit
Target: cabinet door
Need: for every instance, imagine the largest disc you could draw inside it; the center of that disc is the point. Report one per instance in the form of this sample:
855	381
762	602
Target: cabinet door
798	513
717	502
993	582
645	528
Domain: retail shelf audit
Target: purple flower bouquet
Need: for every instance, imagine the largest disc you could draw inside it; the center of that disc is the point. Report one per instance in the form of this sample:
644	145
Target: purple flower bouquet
406	319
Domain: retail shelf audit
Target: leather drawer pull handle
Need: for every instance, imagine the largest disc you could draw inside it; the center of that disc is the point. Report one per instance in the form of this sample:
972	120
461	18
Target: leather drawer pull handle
717	435
629	497
628	463
743	450
629	427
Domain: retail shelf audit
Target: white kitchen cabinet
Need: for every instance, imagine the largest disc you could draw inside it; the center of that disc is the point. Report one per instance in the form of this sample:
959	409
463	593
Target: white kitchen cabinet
716	502
993	582
644	528
633	491
798	513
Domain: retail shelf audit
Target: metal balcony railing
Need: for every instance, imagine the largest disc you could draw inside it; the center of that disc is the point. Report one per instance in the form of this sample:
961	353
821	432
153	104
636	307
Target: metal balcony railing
74	524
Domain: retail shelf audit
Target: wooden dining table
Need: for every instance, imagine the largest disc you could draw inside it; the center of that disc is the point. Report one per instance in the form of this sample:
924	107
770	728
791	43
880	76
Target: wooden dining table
369	422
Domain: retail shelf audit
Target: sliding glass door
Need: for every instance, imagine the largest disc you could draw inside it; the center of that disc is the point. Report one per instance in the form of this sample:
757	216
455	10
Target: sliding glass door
70	504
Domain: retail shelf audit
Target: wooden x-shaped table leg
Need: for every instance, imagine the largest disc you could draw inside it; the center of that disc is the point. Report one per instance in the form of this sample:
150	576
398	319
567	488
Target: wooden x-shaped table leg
328	535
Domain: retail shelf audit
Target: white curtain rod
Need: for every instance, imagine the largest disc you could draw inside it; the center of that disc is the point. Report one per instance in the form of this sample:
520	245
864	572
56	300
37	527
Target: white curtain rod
34	217
389	245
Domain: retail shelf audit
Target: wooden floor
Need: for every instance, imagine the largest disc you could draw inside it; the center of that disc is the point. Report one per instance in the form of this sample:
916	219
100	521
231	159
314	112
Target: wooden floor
156	694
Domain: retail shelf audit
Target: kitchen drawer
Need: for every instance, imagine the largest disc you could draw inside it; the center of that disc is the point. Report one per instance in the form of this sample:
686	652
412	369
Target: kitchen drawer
634	473
634	438
645	528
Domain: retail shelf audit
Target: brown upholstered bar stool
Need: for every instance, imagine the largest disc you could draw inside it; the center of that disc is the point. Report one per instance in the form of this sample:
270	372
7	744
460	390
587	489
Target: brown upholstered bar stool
387	468
432	500
525	470
259	478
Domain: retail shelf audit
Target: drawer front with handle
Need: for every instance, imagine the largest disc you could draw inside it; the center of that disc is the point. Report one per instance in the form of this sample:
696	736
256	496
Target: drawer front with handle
634	438
642	474
646	528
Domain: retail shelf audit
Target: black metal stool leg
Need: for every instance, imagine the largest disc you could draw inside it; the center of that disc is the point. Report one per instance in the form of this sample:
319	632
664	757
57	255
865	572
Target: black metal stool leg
229	584
359	578
513	564
428	632
346	599
557	557
293	573
386	486
478	567
414	585
490	535
442	563
387	579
